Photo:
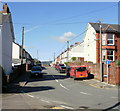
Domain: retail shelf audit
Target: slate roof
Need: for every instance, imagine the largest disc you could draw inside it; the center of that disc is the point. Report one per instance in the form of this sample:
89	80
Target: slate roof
114	28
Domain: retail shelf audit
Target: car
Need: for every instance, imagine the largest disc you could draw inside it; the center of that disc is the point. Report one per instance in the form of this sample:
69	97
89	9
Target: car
61	68
79	72
36	71
68	68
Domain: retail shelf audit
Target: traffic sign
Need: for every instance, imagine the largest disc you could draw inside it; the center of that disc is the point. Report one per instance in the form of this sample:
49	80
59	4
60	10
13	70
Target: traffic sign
107	62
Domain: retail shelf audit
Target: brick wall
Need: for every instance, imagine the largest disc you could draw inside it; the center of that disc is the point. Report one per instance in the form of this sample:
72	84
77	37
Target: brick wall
114	71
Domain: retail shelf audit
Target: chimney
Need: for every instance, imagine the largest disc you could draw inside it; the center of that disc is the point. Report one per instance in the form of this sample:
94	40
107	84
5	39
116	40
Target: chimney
76	43
71	45
5	9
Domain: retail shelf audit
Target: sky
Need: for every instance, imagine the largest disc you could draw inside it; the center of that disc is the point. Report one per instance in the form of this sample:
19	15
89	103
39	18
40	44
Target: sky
48	25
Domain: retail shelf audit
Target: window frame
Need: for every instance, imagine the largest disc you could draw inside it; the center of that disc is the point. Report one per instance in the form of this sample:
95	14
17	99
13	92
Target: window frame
113	35
111	55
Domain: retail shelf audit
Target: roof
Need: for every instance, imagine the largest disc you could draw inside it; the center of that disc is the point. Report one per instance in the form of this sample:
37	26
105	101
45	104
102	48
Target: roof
114	28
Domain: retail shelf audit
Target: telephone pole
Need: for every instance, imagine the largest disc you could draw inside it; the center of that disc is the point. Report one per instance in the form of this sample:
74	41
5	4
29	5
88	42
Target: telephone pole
22	45
54	56
101	66
67	51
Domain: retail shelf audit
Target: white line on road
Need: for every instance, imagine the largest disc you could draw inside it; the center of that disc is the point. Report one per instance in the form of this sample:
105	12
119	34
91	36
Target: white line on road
44	100
114	97
67	107
30	95
56	80
63	87
85	93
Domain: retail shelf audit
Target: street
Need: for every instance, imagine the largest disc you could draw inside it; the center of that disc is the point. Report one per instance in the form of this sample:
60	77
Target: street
57	91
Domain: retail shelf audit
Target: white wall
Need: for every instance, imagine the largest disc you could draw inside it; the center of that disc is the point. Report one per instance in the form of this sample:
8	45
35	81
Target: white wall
7	47
77	51
90	44
15	51
0	45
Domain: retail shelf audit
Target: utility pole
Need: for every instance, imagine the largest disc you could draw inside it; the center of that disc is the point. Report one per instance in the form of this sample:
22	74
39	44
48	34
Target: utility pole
67	51
37	55
101	66
54	57
22	44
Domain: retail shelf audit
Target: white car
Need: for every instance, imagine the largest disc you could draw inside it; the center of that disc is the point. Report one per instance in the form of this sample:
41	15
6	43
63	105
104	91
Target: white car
36	71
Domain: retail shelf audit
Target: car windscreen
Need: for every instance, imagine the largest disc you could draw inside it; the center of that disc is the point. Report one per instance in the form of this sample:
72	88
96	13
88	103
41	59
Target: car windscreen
80	69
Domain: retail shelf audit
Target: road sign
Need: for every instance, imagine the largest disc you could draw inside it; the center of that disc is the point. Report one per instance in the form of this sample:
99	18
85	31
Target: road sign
107	62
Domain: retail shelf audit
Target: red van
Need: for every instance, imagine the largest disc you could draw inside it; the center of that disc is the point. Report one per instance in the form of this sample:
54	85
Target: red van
79	72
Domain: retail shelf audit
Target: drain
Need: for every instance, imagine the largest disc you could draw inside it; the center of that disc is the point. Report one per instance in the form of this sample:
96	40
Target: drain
83	107
49	106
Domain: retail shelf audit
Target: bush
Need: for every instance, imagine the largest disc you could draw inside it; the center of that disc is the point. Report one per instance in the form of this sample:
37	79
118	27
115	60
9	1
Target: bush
73	58
118	62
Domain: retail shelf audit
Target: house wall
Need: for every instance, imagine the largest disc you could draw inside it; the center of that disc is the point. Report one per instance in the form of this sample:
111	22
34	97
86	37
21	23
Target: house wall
77	51
15	51
0	45
7	46
90	44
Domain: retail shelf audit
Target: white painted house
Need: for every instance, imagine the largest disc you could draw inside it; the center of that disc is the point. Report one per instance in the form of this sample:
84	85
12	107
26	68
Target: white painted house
6	38
17	55
77	51
90	44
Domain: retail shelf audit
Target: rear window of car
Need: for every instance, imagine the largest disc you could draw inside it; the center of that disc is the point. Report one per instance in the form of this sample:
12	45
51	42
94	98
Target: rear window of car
61	65
80	69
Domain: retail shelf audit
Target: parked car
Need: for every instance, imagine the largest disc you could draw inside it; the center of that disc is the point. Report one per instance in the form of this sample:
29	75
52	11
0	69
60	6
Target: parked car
61	68
79	72
68	71
36	71
56	66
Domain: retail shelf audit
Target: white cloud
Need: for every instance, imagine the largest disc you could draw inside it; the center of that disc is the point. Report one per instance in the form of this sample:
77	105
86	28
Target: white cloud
66	36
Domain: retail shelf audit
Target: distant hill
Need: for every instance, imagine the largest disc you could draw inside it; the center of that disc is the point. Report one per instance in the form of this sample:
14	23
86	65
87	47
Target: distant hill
46	62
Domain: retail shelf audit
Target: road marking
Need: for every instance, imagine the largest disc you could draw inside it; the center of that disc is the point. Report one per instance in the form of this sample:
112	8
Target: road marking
64	87
67	107
94	86
85	93
56	80
30	95
44	100
57	108
114	97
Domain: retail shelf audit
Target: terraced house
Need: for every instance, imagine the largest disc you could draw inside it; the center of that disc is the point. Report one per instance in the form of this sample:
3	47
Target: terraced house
6	38
110	42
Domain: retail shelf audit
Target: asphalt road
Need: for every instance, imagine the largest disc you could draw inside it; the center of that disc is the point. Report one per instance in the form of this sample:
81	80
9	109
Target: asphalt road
56	91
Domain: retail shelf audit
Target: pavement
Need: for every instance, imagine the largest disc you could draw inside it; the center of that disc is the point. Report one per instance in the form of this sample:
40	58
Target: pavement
98	84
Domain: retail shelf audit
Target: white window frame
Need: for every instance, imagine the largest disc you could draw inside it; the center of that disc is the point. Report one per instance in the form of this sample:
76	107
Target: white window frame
103	54
112	55
104	38
111	39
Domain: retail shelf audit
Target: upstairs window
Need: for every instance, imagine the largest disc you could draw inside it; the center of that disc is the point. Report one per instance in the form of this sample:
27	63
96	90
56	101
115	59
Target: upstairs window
110	40
110	55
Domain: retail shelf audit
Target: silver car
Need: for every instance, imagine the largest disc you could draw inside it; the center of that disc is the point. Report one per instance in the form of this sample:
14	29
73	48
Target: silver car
36	71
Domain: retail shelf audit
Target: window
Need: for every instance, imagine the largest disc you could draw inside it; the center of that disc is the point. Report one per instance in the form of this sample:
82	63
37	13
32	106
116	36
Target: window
110	40
103	39
110	55
103	55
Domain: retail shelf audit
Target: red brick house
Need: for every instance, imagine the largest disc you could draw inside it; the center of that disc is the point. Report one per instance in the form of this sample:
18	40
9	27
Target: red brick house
110	42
